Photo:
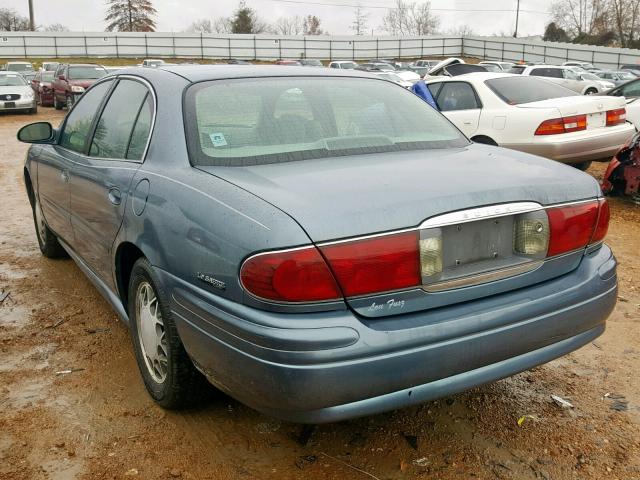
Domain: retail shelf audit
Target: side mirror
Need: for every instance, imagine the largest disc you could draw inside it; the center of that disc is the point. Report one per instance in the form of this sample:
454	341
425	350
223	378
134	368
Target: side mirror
39	132
62	77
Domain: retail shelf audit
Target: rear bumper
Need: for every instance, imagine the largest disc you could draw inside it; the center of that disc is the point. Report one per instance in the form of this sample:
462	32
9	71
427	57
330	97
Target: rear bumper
578	147
331	366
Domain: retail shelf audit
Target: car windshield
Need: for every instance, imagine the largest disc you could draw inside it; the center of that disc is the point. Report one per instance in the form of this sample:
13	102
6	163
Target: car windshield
517	90
626	75
47	76
86	73
490	67
20	67
271	120
12	81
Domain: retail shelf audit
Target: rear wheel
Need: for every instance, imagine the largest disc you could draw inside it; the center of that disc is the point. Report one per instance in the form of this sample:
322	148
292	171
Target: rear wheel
167	370
34	110
57	105
69	102
591	91
48	242
582	165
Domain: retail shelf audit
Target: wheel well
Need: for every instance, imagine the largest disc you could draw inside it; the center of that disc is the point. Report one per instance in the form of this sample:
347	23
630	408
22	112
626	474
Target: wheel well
29	186
484	139
126	256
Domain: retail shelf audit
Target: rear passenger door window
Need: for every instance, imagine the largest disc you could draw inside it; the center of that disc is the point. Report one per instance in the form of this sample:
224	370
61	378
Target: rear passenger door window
547	72
78	125
114	131
455	96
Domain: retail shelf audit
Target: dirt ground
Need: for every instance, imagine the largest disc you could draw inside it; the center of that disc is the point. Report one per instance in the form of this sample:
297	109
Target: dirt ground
72	405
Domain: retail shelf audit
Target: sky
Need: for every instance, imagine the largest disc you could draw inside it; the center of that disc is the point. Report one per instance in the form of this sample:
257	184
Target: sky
484	17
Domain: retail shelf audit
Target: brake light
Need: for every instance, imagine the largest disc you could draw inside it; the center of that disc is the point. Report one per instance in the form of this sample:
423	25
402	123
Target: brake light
616	117
555	126
378	264
571	226
603	222
297	275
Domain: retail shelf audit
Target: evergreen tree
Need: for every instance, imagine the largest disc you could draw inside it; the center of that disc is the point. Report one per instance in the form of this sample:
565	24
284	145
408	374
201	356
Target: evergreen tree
130	16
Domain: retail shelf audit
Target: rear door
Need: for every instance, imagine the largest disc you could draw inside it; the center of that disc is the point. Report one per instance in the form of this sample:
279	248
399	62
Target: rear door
56	161
101	179
459	102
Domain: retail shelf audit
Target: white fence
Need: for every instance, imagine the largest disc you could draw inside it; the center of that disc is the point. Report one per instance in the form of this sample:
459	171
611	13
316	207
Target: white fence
272	47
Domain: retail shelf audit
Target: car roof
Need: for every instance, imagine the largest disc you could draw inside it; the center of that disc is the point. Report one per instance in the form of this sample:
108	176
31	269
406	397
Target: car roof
200	73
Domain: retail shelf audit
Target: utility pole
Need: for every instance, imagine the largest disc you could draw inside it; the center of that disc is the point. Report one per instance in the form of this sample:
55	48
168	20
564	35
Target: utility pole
32	24
515	34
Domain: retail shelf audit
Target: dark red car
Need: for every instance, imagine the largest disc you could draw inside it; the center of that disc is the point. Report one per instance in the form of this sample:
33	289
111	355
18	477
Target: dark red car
288	62
623	173
43	88
71	80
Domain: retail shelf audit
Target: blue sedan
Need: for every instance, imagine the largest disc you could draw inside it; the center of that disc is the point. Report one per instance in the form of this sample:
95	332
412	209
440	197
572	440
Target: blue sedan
319	244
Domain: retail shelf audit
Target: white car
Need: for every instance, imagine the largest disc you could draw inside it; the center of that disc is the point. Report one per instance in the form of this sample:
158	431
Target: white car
566	77
16	93
408	76
394	77
153	62
583	65
503	66
343	64
533	115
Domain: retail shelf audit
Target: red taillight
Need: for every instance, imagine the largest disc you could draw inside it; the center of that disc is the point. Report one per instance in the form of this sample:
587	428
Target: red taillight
616	117
298	275
571	226
555	126
603	222
377	264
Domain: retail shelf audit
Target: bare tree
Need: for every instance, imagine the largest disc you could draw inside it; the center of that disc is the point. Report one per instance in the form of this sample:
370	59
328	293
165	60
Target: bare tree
359	24
222	25
624	14
580	17
462	31
56	27
311	25
11	21
288	26
201	26
410	18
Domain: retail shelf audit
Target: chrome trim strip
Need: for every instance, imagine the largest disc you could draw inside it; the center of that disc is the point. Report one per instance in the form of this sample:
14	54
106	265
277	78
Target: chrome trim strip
480	213
483	277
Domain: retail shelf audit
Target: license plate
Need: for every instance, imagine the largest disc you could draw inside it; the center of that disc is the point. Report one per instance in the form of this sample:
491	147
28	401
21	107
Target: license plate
9	104
484	240
595	120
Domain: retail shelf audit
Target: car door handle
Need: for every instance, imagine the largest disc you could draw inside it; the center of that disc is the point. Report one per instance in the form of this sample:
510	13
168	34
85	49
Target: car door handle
64	175
468	122
115	196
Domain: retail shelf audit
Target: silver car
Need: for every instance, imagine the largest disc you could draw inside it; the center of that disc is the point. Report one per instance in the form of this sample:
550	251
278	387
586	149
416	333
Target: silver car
16	93
565	76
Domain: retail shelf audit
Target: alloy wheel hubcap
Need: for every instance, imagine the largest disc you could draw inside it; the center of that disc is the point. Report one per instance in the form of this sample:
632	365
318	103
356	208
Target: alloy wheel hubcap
151	332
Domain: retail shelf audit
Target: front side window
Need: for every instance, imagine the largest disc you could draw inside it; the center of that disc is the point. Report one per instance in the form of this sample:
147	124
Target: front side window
270	120
457	96
113	132
570	74
78	125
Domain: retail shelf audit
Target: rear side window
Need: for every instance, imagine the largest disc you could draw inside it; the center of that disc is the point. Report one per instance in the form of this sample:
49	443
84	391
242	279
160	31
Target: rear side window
269	120
517	90
78	125
457	96
113	132
546	72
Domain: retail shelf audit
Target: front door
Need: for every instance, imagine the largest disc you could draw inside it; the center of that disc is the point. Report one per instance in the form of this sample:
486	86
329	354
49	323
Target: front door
101	180
56	162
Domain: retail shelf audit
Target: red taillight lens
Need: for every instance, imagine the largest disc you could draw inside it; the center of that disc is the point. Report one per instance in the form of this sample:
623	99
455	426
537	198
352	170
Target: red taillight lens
616	117
379	264
299	275
603	222
571	227
555	126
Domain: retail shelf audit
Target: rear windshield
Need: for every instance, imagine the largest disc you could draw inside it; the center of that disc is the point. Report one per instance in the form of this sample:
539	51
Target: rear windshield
517	90
11	81
20	67
271	120
86	73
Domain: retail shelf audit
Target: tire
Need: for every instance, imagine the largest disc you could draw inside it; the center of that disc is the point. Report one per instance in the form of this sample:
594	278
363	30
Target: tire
69	102
34	110
591	91
584	166
167	371
56	105
47	241
484	140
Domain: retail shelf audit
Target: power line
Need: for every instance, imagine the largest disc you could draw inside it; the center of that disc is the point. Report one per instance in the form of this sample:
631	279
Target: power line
458	10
